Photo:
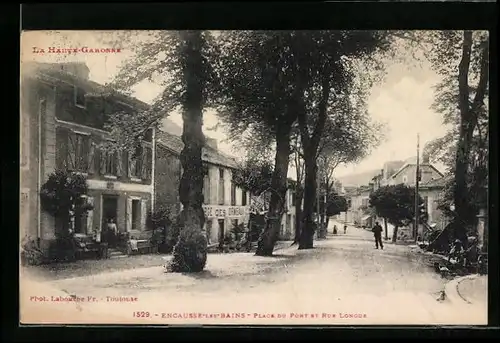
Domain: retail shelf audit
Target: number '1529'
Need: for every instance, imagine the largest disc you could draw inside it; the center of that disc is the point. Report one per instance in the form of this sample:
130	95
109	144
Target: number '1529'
141	314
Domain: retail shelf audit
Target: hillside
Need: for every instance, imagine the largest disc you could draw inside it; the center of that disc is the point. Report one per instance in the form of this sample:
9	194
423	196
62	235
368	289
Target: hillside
358	179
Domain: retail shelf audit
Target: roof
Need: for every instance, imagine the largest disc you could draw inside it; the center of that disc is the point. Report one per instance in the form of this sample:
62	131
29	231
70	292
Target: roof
413	164
437	183
51	72
175	144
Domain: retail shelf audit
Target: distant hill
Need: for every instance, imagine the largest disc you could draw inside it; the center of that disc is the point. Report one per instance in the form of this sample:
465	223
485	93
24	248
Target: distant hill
358	179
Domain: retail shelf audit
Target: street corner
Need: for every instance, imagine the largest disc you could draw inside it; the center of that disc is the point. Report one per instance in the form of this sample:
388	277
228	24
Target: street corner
469	290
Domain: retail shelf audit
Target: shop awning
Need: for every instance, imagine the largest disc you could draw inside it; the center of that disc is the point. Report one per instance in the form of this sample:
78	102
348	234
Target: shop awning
366	218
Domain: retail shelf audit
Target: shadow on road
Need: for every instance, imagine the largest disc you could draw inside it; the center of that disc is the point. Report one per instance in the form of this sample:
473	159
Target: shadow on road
203	275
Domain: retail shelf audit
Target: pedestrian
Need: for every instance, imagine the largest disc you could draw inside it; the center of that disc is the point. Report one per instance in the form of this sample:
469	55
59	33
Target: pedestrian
377	233
334	229
112	232
345	229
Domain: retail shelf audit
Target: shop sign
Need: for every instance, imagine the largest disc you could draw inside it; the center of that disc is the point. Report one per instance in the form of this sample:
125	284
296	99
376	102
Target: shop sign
222	211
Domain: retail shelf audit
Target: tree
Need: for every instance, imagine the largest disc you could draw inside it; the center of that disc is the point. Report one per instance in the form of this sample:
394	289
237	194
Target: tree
396	204
183	63
330	75
254	175
63	196
298	165
261	91
346	140
462	59
335	203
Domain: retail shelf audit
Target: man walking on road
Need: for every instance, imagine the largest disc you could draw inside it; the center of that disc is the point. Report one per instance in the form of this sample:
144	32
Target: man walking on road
377	232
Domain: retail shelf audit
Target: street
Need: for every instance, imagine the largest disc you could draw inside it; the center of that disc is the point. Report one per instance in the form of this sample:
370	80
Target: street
344	280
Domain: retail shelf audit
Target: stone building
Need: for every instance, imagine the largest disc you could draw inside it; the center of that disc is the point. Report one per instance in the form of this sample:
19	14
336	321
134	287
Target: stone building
62	123
225	204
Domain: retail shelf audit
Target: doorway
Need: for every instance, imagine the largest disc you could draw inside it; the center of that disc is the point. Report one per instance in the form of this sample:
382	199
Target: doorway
109	211
221	233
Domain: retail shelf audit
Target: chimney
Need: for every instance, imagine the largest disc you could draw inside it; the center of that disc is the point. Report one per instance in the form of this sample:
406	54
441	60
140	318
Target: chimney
211	142
79	69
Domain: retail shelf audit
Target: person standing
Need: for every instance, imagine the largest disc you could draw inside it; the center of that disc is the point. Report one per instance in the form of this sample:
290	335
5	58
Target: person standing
112	232
345	229
377	233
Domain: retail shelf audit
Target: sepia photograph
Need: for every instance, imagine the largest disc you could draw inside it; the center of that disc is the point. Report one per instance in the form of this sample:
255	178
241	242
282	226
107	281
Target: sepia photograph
254	177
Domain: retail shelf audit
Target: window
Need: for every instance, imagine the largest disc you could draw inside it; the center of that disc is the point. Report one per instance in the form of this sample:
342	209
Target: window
221	186
233	194
79	97
206	186
111	163
208	230
79	155
243	198
294	201
140	163
364	202
426	204
83	219
136	214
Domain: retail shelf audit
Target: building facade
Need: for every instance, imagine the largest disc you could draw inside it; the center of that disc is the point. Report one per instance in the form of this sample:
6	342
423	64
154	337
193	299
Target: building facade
225	204
359	203
431	192
63	116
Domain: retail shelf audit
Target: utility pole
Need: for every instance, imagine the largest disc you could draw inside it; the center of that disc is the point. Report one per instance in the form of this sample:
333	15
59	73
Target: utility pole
325	229
318	188
417	180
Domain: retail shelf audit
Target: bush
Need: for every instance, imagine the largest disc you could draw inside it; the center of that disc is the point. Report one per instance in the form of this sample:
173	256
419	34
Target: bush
166	231
159	218
30	253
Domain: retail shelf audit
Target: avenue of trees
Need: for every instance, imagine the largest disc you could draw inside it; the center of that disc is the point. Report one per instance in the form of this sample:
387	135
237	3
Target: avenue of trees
300	94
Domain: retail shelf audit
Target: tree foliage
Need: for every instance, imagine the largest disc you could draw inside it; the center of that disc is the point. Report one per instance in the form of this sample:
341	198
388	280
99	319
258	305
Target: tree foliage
254	175
158	58
63	195
335	203
396	203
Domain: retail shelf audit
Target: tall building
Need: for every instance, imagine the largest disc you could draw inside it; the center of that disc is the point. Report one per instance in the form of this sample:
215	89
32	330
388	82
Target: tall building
63	116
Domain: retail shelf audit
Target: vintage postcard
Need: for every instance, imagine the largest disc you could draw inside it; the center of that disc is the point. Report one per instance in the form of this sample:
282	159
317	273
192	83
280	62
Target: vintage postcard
254	177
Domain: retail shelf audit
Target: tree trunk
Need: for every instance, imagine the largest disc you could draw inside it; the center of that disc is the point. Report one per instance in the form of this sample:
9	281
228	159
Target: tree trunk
395	234
298	215
308	225
270	234
190	252
468	118
385	228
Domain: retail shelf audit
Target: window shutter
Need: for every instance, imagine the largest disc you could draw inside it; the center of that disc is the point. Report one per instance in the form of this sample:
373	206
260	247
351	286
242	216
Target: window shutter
92	153
143	213
119	163
130	164
72	151
102	160
149	164
90	216
129	214
143	158
62	148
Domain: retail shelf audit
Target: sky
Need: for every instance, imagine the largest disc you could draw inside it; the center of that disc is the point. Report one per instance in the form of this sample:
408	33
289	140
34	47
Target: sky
402	101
